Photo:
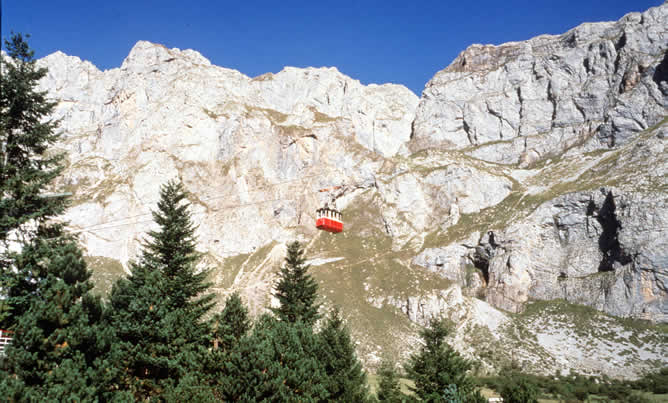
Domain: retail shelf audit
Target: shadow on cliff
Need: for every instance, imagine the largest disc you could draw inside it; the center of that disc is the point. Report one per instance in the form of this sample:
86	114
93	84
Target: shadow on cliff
608	241
661	74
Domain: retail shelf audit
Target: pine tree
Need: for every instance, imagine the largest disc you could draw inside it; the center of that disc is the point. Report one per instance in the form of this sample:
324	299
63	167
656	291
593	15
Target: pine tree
229	327
231	324
25	169
158	311
59	340
346	379
389	389
436	366
172	251
25	137
277	362
296	289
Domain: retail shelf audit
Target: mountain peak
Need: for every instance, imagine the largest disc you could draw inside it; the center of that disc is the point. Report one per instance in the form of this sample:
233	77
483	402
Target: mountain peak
145	53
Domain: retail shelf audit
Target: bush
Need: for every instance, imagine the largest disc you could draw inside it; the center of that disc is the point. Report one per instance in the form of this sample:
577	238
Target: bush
519	389
636	397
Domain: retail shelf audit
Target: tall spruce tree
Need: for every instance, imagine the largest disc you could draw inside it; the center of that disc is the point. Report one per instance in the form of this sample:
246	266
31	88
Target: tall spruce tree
346	380
158	311
59	340
296	290
26	170
436	366
26	134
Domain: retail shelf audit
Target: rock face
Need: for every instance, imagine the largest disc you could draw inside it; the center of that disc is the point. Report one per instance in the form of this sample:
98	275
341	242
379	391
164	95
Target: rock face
603	248
169	113
521	102
527	171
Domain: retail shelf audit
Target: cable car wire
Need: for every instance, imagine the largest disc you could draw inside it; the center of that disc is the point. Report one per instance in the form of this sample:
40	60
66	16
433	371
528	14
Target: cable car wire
215	197
119	222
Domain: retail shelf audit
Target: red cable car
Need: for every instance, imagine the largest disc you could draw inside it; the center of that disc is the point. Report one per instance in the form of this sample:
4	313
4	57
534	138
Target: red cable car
328	219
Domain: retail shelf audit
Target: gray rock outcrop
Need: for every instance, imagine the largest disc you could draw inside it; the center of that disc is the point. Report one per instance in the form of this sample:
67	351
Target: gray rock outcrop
521	102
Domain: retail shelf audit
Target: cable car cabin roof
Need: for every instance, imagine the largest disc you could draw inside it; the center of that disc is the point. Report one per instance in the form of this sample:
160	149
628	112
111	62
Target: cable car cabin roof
326	211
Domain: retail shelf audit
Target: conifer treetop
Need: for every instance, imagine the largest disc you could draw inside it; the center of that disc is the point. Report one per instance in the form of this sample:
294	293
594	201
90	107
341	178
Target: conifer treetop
296	290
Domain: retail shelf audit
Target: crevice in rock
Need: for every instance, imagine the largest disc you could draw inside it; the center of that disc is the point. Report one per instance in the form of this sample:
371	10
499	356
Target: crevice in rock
621	42
661	74
581	110
388	228
522	112
481	262
499	116
553	99
618	62
586	65
469	133
482	255
570	40
608	242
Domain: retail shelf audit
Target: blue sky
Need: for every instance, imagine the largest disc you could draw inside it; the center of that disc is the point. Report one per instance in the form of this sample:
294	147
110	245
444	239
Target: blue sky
403	42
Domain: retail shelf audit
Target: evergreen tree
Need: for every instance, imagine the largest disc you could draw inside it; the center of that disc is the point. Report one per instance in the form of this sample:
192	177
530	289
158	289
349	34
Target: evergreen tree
277	362
517	388
229	327
231	324
389	389
436	366
25	168
172	251
25	136
346	380
296	289
59	341
158	311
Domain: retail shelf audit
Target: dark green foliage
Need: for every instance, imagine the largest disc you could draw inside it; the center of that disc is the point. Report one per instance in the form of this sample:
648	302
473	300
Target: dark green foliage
157	312
171	251
636	397
575	387
59	341
25	169
25	136
231	324
189	388
519	389
346	380
436	366
656	382
296	289
277	362
389	389
229	327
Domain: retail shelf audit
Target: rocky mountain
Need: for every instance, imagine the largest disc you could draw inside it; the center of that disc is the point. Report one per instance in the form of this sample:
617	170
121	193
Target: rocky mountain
524	195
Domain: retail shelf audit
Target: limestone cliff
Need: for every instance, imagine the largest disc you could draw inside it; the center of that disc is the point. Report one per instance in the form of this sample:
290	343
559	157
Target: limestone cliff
527	171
